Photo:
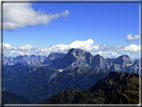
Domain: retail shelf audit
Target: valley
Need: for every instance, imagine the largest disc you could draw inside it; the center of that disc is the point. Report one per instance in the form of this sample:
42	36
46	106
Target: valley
76	77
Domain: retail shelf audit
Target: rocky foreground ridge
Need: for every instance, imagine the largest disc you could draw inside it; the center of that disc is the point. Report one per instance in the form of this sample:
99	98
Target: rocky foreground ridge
116	88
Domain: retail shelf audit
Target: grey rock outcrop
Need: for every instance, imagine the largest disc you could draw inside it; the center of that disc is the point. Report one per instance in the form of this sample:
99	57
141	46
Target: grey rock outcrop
74	58
52	56
79	58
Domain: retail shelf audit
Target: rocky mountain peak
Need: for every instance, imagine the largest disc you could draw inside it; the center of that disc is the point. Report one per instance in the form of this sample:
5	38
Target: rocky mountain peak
25	55
123	56
98	55
79	54
75	50
72	50
52	56
124	60
77	58
33	56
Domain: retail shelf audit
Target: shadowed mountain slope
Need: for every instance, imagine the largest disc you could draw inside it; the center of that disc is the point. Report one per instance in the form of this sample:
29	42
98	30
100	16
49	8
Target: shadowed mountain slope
116	88
10	98
45	82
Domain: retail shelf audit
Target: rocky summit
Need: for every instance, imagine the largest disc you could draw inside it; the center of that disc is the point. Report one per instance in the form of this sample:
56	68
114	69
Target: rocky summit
78	58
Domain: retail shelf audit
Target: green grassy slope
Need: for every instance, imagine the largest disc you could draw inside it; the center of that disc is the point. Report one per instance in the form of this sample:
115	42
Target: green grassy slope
116	88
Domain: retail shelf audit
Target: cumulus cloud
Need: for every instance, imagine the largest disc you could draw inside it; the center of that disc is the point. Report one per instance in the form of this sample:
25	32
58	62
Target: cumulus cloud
22	14
84	45
108	54
26	48
132	48
130	38
106	47
8	47
88	45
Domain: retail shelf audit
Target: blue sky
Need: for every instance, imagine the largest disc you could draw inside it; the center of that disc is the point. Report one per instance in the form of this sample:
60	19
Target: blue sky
88	25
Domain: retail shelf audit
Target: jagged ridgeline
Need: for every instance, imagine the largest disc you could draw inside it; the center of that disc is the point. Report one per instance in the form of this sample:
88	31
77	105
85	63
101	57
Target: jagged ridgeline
38	78
116	88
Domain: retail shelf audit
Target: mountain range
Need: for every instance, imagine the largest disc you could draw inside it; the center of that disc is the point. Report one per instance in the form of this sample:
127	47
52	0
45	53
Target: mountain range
31	59
76	58
79	58
76	69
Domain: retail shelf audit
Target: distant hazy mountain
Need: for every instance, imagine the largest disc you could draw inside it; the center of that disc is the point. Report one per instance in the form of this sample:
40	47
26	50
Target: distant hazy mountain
52	56
79	58
135	67
116	88
30	60
99	61
121	63
75	58
10	98
7	61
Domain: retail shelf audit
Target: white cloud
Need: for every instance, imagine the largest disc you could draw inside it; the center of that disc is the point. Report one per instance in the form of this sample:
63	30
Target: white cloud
132	48
106	47
16	52
130	38
84	45
26	48
65	14
108	54
8	47
22	14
